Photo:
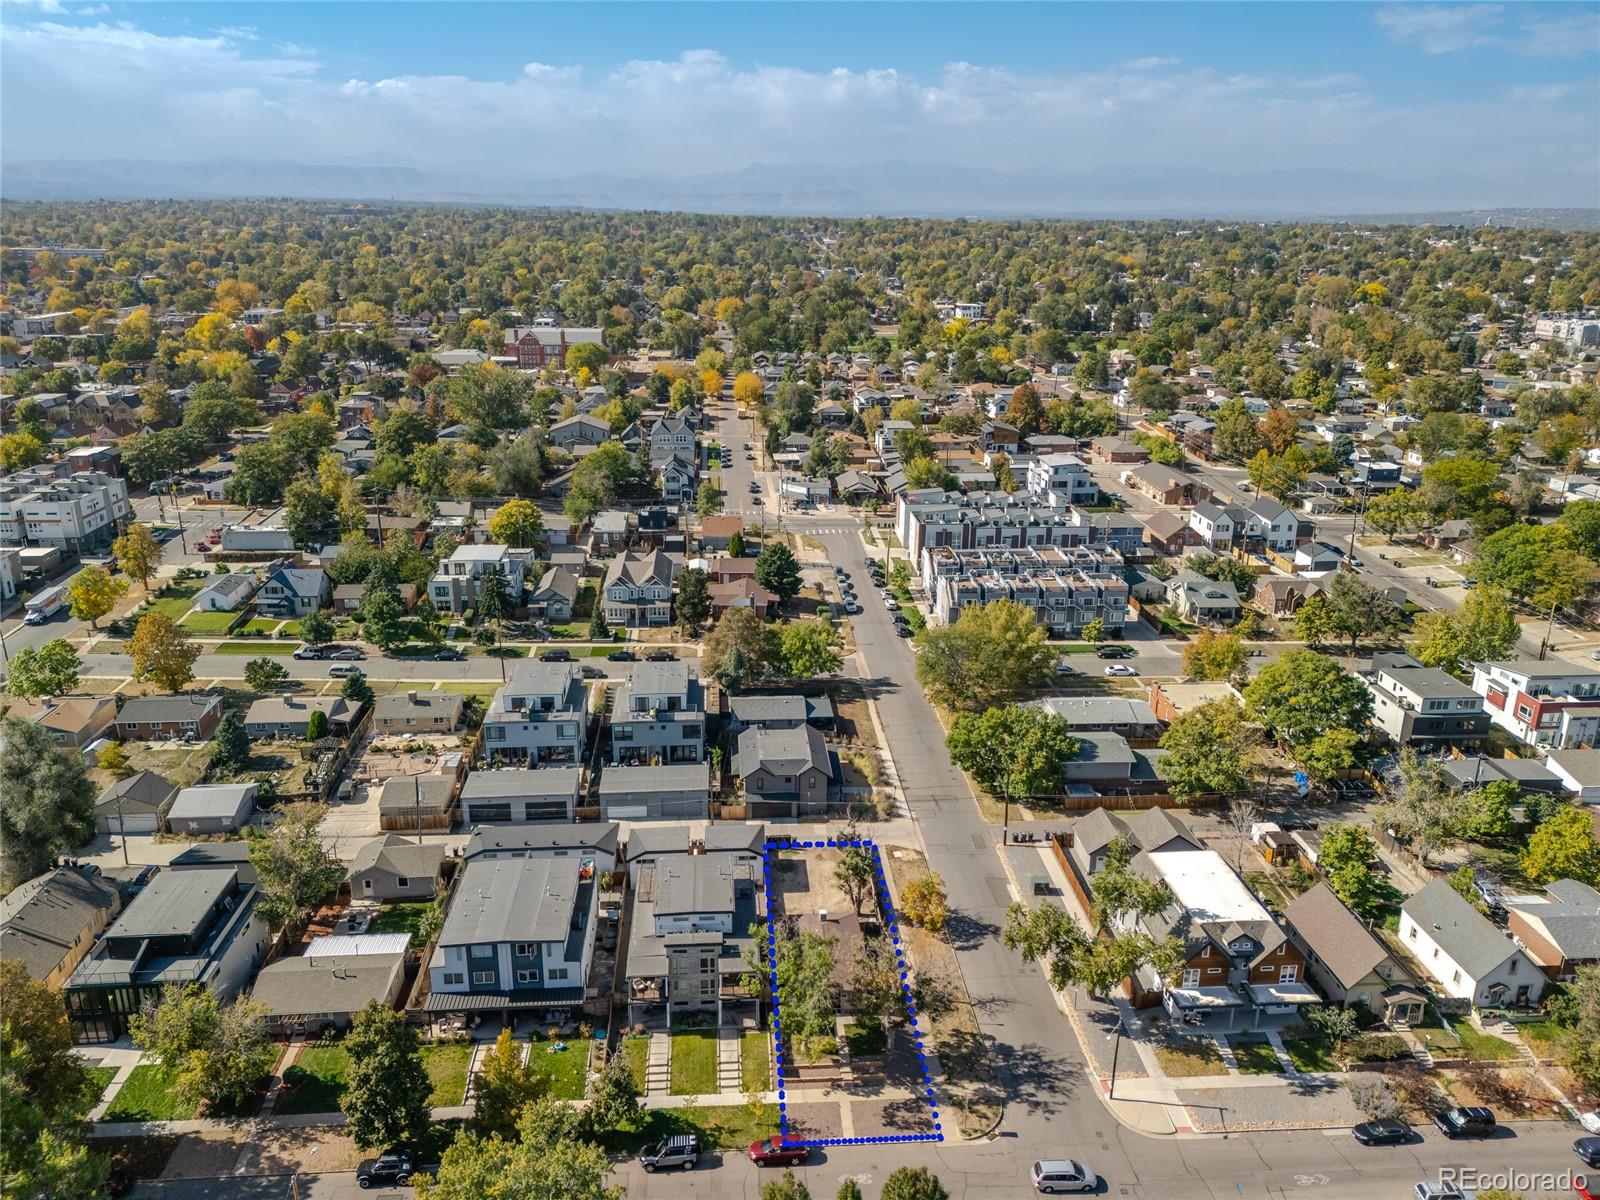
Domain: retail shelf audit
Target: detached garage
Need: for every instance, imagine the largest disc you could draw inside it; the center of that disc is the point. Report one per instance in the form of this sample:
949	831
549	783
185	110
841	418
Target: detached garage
513	796
137	804
673	792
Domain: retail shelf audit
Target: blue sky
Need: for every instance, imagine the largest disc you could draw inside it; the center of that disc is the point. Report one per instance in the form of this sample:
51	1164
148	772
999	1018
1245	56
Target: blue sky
1478	96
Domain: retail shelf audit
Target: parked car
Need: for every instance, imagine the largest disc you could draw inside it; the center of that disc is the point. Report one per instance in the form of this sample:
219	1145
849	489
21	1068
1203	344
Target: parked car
1115	652
1590	1121
1471	1121
347	653
591	672
776	1152
308	652
343	670
1065	668
1382	1133
661	656
1588	1149
1438	1191
448	654
903	630
892	604
623	656
851	607
1063	1175
393	1166
555	656
680	1151
1121	669
755	488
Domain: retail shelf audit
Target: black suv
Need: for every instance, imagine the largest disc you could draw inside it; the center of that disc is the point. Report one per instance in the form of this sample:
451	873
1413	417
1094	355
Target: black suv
661	656
1114	652
556	656
392	1166
1472	1121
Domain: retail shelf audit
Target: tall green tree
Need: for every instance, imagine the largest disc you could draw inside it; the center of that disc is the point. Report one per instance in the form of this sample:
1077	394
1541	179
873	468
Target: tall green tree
230	747
990	654
1302	694
215	1054
47	670
692	605
296	869
778	571
503	1086
1212	749
1014	751
1563	847
46	801
386	1087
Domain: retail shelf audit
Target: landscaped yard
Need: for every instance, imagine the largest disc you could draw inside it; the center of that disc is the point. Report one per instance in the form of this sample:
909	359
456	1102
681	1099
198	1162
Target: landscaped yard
755	1065
447	1069
1255	1055
635	1052
401	916
1189	1056
869	1038
264	625
99	1080
315	1081
147	1095
563	1071
175	600
694	1063
1484	1047
726	1127
212	623
1545	1038
1309	1051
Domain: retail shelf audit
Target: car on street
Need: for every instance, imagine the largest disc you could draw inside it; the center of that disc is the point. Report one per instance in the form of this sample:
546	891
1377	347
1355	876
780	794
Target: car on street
1114	652
448	654
1588	1149
851	607
903	630
775	1151
591	672
1066	668
1062	1175
661	656
756	500
555	656
1382	1133
623	656
1438	1191
1590	1121
1471	1121
1121	669
755	488
345	653
681	1151
393	1166
308	652
343	670
892	604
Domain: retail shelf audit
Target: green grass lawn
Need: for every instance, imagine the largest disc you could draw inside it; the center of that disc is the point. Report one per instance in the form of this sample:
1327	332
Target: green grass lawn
147	1095
208	623
694	1063
1481	1046
264	625
254	648
1545	1038
755	1064
172	606
727	1127
563	1071
1309	1051
865	1039
1189	1056
315	1081
99	1079
401	916
1255	1055
635	1052
447	1069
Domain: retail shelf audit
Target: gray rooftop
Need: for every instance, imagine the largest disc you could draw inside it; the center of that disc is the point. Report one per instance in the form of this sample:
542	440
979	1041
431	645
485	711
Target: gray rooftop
42	920
1429	682
588	836
142	787
1099	710
212	800
694	883
402	792
307	986
617	781
539	679
659	678
174	903
399	855
512	900
519	783
1583	765
780	751
188	706
1570	913
1461	931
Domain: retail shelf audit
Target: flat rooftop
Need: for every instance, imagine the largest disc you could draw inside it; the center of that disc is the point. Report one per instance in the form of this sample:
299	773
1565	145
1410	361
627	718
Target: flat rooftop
1206	886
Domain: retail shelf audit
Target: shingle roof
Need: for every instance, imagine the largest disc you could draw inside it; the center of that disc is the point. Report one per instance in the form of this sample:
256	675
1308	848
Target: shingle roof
780	751
1335	934
587	836
42	919
1570	914
1460	930
309	986
399	856
187	706
144	788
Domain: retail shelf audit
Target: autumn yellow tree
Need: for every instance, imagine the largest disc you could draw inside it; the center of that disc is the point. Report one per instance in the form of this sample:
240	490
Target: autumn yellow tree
516	523
94	593
236	295
138	553
162	652
710	382
748	388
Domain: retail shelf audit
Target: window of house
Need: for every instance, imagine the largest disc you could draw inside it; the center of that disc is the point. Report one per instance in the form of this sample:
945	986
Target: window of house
1191	977
483	977
524	949
1455	977
1511	967
482	952
1289	973
402	881
527	977
453	978
558	973
1213	970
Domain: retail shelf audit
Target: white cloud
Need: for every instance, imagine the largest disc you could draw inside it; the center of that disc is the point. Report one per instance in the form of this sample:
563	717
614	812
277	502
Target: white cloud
237	33
118	91
1441	28
1449	28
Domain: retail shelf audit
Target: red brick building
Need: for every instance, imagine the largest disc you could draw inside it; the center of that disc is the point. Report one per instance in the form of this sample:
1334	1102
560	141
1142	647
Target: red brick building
538	346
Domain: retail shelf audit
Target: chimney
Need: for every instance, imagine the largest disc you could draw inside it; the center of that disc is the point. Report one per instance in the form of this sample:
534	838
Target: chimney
412	696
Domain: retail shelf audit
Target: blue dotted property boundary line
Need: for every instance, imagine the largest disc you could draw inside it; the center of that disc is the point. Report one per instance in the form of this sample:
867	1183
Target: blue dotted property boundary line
881	887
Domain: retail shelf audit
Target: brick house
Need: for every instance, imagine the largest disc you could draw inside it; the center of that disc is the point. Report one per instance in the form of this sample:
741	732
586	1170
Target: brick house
538	346
188	714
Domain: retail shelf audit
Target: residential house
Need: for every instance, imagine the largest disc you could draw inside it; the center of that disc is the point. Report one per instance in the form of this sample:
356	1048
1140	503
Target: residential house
455	586
1348	963
1204	601
784	772
1559	930
1317	558
676	475
538	717
1268	523
803	489
1166	486
730	570
290	716
1166	532
1147	829
207	856
1413	704
611	531
1115	449
49	922
1552	704
292	592
227	593
1238	961
694	905
1466	954
396	868
188	715
518	937
1577	771
1169	701
347	598
186	927
1282	595
743	593
590	839
553	598
1129	718
789	711
137	804
581	430
1066	589
515	794
658	716
656	792
1217	525
637	590
212	808
671	434
717	532
74	722
324	988
412	712
1107	765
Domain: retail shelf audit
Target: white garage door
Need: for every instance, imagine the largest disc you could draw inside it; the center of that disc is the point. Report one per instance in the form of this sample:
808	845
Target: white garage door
137	823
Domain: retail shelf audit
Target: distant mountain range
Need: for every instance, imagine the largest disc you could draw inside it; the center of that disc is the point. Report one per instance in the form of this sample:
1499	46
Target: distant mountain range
883	189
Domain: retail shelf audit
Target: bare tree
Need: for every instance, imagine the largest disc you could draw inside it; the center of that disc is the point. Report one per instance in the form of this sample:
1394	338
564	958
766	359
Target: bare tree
1243	812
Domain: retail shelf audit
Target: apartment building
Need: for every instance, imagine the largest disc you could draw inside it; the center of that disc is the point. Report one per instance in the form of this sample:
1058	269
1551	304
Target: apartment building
1066	588
1065	474
963	521
80	511
538	717
456	585
1415	704
1553	704
658	716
